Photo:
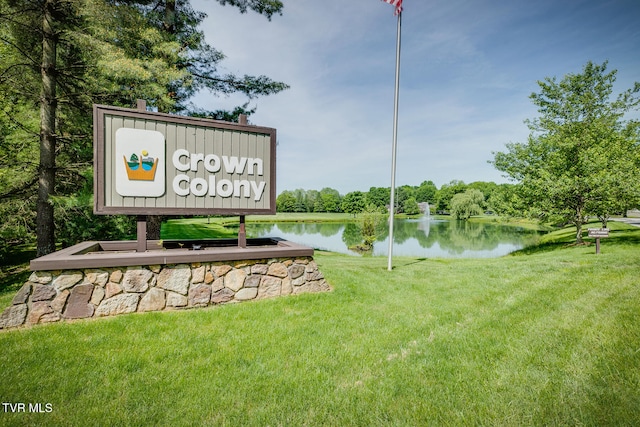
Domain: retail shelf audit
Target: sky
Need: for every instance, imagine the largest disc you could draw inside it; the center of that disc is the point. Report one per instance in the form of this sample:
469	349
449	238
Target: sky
467	70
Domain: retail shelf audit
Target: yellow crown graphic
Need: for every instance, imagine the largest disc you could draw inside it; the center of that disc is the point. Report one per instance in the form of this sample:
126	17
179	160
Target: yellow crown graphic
141	168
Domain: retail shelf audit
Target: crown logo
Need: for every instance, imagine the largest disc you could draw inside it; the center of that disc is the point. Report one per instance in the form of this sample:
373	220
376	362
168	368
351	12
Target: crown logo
141	168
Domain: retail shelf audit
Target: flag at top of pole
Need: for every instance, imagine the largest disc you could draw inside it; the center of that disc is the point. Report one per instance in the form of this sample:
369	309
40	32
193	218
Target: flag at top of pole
397	4
392	204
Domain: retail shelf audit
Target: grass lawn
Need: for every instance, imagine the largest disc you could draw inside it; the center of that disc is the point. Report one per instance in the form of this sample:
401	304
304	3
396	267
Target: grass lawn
549	336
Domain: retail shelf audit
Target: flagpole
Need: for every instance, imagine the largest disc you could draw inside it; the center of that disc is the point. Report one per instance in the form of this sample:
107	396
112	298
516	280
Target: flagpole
392	206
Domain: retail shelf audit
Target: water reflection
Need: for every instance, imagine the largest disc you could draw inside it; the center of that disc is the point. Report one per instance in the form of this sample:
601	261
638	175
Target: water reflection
423	237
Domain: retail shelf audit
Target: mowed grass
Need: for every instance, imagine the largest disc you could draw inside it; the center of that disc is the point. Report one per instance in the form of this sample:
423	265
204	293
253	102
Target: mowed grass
199	228
546	338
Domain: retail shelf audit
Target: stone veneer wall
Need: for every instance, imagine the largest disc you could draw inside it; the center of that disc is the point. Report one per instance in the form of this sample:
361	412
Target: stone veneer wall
51	296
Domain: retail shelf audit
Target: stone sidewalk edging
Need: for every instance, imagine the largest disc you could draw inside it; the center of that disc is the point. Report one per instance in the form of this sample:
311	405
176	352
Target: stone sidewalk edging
51	296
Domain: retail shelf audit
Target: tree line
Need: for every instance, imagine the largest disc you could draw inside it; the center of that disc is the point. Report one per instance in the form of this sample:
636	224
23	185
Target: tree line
456	198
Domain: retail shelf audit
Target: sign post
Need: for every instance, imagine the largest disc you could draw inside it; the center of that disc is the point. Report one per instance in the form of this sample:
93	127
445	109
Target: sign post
598	233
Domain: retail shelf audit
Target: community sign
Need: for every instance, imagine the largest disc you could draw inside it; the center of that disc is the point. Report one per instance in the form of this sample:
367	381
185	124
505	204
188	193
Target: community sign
149	163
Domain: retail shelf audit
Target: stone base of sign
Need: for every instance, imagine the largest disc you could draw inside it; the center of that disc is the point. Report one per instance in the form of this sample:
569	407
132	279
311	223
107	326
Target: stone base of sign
80	293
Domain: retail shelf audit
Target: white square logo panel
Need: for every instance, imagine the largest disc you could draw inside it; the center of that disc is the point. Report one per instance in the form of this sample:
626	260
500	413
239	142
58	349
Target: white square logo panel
140	163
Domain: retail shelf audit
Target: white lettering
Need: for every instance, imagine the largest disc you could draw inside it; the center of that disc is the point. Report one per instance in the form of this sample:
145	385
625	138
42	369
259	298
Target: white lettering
253	163
234	164
212	185
212	163
40	408
198	187
18	407
258	189
224	188
241	186
176	185
195	158
179	153
27	407
183	186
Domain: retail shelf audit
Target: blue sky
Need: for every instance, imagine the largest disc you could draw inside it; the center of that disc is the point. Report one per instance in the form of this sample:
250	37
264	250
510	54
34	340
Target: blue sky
467	70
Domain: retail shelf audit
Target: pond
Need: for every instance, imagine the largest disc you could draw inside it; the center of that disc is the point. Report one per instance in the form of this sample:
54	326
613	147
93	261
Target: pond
425	237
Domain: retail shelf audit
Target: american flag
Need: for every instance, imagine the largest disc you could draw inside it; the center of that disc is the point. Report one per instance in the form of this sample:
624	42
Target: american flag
397	4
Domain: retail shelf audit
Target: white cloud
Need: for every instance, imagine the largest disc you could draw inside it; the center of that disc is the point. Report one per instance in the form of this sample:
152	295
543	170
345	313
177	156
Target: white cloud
467	72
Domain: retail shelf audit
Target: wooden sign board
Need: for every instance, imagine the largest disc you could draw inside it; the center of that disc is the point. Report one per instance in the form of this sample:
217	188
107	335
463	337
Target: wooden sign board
598	232
150	163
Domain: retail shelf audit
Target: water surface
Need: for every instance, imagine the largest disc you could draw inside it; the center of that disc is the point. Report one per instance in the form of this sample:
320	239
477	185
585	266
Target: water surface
422	237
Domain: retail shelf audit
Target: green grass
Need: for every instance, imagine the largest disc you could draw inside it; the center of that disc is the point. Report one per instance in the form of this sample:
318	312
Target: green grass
525	223
551	337
199	228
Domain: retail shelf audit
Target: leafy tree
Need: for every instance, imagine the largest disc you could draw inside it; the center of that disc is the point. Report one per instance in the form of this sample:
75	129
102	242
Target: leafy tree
581	152
426	192
402	194
286	202
446	193
44	71
225	115
310	199
329	200
198	61
614	189
372	222
318	205
378	196
464	205
301	200
505	201
264	7
487	189
353	202
410	206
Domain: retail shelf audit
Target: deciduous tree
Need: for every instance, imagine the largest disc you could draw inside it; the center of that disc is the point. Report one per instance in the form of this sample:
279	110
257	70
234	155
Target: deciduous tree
286	202
581	155
410	206
329	200
465	205
426	192
353	202
446	193
379	196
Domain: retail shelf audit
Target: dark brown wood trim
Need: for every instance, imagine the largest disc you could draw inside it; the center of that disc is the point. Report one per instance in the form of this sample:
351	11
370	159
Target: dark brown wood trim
185	120
274	143
98	160
124	254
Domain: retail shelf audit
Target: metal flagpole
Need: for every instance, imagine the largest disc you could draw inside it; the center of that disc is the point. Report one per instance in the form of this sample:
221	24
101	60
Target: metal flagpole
392	206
